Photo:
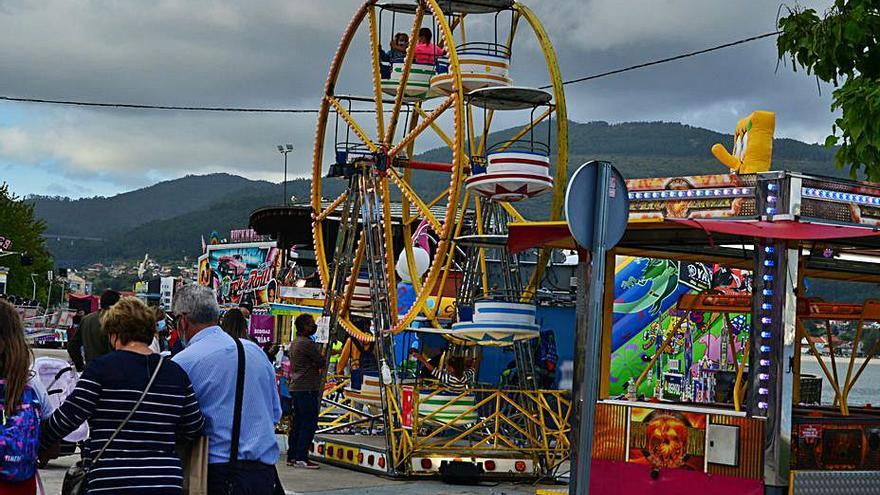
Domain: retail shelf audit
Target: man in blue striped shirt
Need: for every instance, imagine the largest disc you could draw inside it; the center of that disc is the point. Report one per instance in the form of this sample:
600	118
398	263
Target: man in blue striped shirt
211	363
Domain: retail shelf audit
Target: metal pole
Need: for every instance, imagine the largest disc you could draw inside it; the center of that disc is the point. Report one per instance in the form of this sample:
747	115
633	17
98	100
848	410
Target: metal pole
589	335
48	295
34	281
285	178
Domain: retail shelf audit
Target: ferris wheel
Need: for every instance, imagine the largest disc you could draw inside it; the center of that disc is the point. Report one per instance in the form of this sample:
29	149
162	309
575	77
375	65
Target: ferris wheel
381	105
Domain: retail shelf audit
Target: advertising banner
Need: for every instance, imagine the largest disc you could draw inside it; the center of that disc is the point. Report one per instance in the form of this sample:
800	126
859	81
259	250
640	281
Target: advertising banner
262	327
241	273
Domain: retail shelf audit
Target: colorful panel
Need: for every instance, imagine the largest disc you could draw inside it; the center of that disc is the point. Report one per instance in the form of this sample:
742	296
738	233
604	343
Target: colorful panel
609	437
751	447
452	407
667	439
706	196
646	292
828	445
840	202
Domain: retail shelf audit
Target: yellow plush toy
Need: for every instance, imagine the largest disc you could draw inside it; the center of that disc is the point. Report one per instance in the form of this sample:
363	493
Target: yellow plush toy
752	144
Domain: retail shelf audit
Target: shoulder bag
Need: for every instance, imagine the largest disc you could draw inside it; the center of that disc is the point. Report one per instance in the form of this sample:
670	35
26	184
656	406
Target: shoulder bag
76	477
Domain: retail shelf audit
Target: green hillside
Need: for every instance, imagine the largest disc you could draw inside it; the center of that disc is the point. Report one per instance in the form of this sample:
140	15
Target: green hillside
167	219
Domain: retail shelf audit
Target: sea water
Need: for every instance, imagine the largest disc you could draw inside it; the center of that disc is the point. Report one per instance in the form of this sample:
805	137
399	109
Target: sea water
866	389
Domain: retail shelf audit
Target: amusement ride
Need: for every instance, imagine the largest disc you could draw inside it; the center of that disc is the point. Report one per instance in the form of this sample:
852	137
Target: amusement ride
405	247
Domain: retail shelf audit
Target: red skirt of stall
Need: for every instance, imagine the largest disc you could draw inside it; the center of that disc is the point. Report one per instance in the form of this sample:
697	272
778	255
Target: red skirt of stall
614	478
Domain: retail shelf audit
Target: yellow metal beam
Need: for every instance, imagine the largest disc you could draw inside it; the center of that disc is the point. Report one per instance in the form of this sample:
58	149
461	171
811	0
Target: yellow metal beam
428	120
352	123
377	78
404	76
414	198
332	207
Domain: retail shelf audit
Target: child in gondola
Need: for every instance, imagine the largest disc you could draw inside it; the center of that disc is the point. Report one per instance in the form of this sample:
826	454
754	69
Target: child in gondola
426	51
395	54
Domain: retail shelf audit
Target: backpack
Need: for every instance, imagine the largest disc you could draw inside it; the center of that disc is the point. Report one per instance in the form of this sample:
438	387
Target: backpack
19	437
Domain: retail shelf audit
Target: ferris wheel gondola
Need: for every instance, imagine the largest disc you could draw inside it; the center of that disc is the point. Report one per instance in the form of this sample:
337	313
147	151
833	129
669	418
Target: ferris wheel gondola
388	148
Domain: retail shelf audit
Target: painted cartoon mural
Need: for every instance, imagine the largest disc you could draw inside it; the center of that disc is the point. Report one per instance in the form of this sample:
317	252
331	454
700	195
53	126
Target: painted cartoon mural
646	294
241	273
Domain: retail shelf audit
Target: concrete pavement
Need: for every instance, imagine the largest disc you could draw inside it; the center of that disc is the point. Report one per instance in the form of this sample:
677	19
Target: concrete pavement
330	480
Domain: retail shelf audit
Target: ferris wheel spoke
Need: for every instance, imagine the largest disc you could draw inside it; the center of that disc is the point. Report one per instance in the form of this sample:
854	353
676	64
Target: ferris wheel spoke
353	124
426	121
388	237
482	252
512	35
344	306
434	202
377	77
332	207
414	198
512	211
437	129
481	149
450	255
404	76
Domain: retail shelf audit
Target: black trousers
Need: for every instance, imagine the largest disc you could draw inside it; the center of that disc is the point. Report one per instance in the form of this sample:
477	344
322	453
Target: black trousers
243	478
306	407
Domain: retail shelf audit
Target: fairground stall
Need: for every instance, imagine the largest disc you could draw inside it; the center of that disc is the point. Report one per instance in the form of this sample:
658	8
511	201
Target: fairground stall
417	236
738	338
245	269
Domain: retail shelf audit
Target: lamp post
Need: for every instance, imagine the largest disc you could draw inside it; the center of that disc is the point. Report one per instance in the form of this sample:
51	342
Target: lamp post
284	150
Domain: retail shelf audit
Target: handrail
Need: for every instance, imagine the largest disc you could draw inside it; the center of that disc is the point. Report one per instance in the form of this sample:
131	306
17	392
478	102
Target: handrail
531	146
483	48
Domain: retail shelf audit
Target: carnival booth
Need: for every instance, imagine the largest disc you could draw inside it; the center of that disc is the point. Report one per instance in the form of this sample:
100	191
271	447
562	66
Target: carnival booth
713	376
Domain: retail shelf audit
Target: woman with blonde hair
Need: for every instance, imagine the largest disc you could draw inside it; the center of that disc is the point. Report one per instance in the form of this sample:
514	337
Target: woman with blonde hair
138	405
23	401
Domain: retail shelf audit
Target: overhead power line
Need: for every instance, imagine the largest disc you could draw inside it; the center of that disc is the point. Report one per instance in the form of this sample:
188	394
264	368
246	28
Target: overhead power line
668	59
139	106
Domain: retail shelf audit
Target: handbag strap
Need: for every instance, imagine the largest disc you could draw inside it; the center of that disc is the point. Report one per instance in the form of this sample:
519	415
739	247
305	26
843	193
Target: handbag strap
131	413
239	398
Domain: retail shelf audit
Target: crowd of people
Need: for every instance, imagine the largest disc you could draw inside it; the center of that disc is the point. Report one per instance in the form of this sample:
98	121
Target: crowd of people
142	399
151	382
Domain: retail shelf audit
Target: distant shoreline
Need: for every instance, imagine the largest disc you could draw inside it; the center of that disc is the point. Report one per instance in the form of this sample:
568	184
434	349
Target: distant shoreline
840	360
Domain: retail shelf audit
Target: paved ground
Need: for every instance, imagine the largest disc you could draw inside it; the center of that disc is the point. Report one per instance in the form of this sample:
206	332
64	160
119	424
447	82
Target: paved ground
330	480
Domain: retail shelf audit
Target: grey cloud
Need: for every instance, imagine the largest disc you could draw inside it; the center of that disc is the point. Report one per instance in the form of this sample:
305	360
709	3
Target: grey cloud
276	53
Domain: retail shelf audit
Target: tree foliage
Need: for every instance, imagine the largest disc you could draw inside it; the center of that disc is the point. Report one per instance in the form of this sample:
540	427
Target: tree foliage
840	48
18	223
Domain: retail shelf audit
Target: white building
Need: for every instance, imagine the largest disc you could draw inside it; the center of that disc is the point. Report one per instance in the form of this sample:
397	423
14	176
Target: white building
166	292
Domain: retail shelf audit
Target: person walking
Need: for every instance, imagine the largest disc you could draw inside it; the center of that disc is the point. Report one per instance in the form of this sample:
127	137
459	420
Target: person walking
89	339
227	373
24	402
138	405
306	370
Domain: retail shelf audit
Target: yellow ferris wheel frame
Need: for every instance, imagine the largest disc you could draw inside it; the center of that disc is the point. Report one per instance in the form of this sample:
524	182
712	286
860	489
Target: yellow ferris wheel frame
449	227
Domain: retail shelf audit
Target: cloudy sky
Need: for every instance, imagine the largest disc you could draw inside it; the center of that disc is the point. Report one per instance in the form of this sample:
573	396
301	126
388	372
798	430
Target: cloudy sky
275	53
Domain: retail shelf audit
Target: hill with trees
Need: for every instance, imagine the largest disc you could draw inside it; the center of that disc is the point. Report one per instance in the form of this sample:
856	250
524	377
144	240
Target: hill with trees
167	219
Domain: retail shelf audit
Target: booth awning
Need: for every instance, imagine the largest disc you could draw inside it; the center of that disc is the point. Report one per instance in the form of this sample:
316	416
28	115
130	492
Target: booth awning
522	236
784	229
527	235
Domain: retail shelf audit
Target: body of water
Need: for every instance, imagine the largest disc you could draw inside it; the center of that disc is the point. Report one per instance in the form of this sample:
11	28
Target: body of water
866	389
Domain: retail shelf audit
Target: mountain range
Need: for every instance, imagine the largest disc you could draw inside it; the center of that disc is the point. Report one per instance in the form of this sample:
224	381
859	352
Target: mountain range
167	219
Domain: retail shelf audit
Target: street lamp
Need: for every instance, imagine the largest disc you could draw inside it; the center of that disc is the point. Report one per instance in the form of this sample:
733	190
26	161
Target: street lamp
284	150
